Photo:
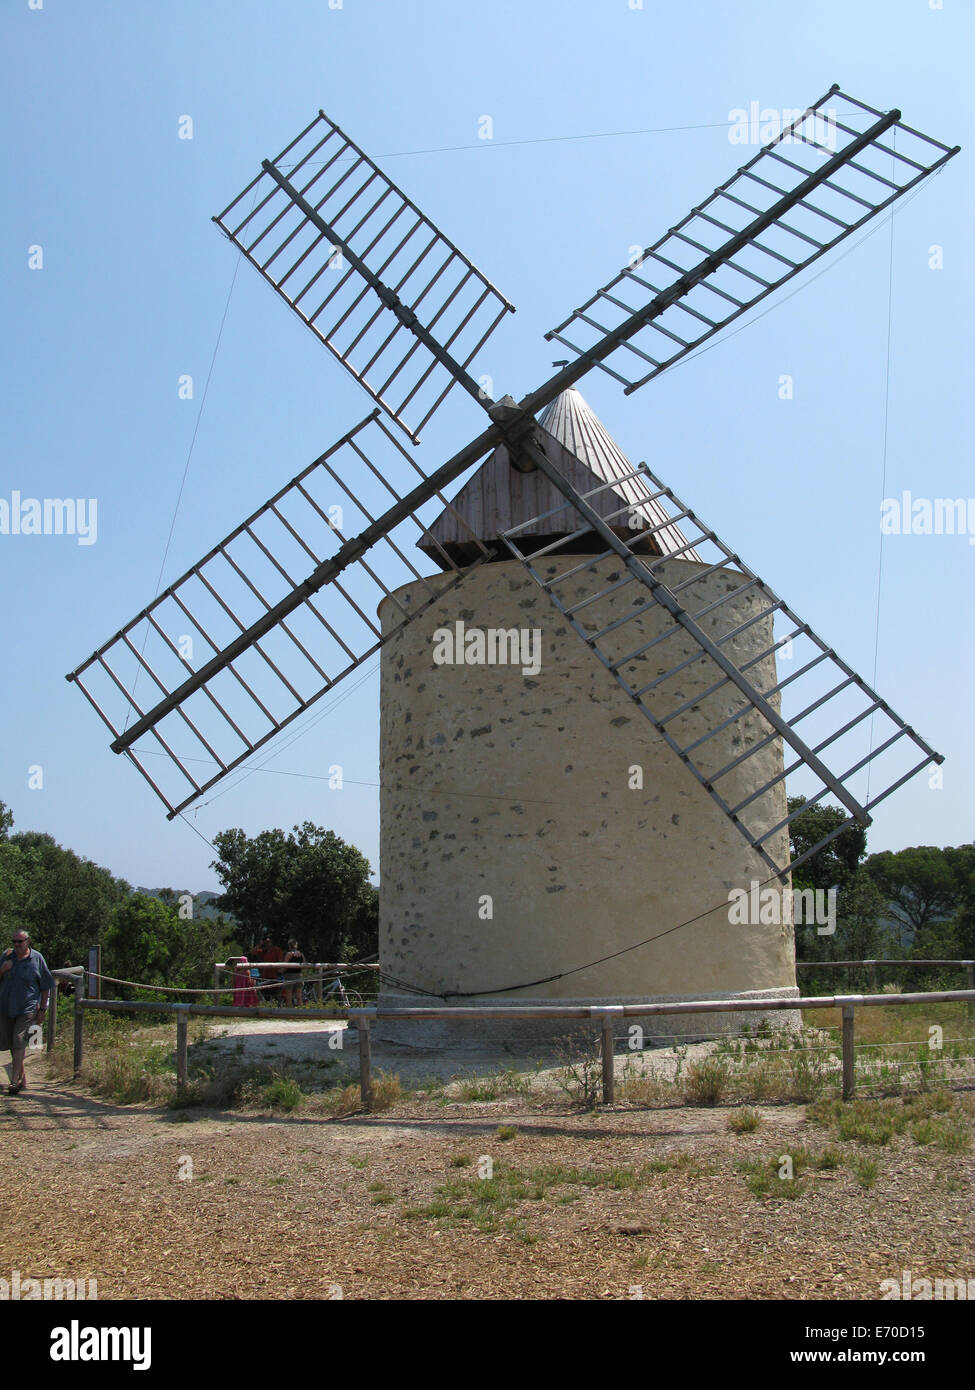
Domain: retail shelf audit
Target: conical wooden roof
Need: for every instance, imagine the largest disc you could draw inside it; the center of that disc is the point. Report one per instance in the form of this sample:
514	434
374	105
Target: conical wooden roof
499	496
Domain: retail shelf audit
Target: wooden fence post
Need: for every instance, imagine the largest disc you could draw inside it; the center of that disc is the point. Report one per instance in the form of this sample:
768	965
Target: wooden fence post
609	1070
318	989
971	985
365	1062
52	1016
216	984
849	1072
79	1024
182	1020
94	972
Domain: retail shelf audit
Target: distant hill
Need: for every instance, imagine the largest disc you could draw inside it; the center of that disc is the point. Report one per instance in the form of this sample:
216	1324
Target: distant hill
203	903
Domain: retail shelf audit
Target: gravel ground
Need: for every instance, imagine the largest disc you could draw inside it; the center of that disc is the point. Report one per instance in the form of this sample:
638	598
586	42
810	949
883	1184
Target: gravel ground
268	1040
300	1206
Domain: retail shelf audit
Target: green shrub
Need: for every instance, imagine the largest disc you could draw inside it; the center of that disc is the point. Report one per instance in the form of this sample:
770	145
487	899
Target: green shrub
283	1093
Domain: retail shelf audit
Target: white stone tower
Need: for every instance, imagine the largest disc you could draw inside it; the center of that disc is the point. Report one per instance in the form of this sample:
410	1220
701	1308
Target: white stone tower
532	820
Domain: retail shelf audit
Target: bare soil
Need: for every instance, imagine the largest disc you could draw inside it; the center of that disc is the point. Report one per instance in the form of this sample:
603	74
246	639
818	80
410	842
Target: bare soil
301	1206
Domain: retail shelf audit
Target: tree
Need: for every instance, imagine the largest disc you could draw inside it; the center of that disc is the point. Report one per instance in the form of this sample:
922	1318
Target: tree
965	923
65	902
364	926
860	910
15	874
838	865
835	863
149	942
921	885
309	884
13	877
68	902
962	862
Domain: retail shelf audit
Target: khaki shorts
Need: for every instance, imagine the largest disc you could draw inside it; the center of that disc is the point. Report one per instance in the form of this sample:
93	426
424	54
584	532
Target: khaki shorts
15	1032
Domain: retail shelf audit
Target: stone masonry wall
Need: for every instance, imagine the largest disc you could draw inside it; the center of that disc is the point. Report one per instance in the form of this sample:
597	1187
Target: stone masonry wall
516	788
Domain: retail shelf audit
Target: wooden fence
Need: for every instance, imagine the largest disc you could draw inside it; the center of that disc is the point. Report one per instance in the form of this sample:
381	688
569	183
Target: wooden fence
606	1015
322	968
872	966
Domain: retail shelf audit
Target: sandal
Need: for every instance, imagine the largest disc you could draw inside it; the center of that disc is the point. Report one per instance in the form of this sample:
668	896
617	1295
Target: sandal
16	1088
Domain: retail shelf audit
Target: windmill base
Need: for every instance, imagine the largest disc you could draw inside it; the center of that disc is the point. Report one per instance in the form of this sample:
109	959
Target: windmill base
533	1034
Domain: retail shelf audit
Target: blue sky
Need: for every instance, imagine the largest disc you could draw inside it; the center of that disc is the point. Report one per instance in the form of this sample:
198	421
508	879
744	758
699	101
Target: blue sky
135	282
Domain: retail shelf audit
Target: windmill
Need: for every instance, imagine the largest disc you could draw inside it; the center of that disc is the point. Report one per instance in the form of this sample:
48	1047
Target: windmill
664	618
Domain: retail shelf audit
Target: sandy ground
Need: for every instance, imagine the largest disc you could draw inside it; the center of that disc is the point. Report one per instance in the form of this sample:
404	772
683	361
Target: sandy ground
268	1040
229	1204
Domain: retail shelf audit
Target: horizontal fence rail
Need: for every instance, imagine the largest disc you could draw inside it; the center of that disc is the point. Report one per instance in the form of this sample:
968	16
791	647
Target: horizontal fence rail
606	1015
907	964
296	965
871	966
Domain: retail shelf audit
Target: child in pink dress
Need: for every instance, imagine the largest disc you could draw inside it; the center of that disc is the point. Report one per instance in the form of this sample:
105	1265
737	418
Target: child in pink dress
244	990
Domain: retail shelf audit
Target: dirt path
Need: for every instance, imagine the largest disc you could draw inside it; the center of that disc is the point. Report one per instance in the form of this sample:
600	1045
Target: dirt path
191	1204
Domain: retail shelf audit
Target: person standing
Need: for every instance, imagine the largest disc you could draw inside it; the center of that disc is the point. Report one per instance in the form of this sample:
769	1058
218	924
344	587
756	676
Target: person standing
244	992
269	955
25	987
292	979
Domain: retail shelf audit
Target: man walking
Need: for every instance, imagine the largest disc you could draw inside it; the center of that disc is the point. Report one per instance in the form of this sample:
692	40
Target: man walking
25	986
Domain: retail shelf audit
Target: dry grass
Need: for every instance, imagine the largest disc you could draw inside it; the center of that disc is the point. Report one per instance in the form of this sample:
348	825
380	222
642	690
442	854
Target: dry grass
585	1201
386	1091
744	1121
394	1204
132	1064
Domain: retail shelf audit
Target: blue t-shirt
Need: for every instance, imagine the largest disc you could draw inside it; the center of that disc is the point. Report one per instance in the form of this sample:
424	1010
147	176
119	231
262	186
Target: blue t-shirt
21	987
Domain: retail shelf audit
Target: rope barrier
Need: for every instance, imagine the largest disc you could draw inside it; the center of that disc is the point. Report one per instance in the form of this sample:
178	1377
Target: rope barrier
211	989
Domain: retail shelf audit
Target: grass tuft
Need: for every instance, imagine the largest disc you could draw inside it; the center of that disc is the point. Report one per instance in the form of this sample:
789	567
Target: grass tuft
386	1091
707	1082
744	1121
929	1117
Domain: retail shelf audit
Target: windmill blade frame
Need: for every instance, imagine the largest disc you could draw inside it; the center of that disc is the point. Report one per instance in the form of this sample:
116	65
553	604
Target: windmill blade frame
267	627
403	275
275	642
696	301
840	709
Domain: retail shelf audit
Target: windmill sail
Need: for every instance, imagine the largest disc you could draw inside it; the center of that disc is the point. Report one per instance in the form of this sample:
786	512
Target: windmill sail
270	619
377	283
282	609
818	182
840	734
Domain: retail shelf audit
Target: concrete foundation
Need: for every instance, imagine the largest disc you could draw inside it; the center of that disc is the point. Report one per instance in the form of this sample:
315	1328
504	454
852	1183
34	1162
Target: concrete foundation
538	1037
